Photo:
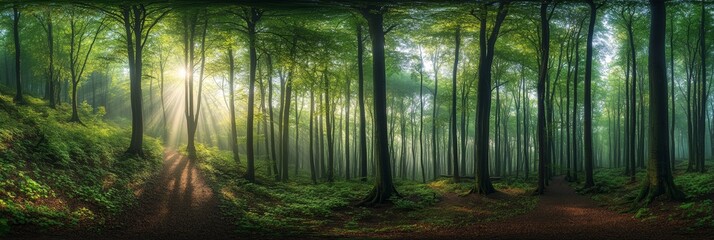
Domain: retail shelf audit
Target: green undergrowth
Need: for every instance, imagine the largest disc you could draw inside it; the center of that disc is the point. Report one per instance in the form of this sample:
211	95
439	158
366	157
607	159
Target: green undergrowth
298	207
615	190
60	175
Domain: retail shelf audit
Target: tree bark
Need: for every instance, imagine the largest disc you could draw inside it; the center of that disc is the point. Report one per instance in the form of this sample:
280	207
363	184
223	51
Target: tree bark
486	56
16	40
362	118
587	101
232	104
454	150
384	186
328	122
659	175
542	78
252	17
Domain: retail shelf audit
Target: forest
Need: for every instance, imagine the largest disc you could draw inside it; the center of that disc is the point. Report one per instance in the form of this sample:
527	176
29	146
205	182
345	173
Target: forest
366	119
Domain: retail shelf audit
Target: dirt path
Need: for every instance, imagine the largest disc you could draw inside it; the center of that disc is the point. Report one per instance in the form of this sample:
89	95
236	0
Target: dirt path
178	204
563	214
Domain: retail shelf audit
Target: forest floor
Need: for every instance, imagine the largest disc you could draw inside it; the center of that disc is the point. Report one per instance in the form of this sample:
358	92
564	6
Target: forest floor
179	203
176	204
562	213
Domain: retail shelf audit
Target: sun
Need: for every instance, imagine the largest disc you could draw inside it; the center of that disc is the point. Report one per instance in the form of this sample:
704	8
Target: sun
180	72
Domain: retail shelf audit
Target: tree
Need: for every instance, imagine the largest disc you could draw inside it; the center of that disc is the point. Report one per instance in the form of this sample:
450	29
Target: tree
189	21
47	25
328	122
452	125
703	91
137	19
232	104
659	179
384	186
360	96
587	102
80	34
251	17
483	111
16	40
542	78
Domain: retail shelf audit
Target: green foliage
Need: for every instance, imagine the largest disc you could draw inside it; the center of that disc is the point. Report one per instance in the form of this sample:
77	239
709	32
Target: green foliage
643	213
696	185
58	174
615	190
299	207
702	211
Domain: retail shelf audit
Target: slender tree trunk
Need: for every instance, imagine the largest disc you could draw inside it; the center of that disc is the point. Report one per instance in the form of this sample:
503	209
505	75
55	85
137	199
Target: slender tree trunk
330	151
273	157
51	68
252	19
348	94
285	123
674	107
313	176
633	100
703	93
542	78
421	115
587	102
575	104
232	104
362	118
454	150
16	40
434	130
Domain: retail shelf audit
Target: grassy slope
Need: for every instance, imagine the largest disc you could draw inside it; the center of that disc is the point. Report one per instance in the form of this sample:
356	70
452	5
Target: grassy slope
60	175
615	190
298	207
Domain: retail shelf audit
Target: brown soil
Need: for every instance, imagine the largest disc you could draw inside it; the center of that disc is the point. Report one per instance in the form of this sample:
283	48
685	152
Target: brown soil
563	214
178	204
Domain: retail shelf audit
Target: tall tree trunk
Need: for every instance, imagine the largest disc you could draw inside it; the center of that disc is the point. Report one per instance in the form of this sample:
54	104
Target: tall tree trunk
421	115
297	135
51	67
232	104
454	150
659	175
486	56
542	78
633	100
252	17
273	155
587	101
575	104
384	187
348	94
16	40
362	118
526	117
673	106
703	91
435	109
313	176
137	20
328	122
